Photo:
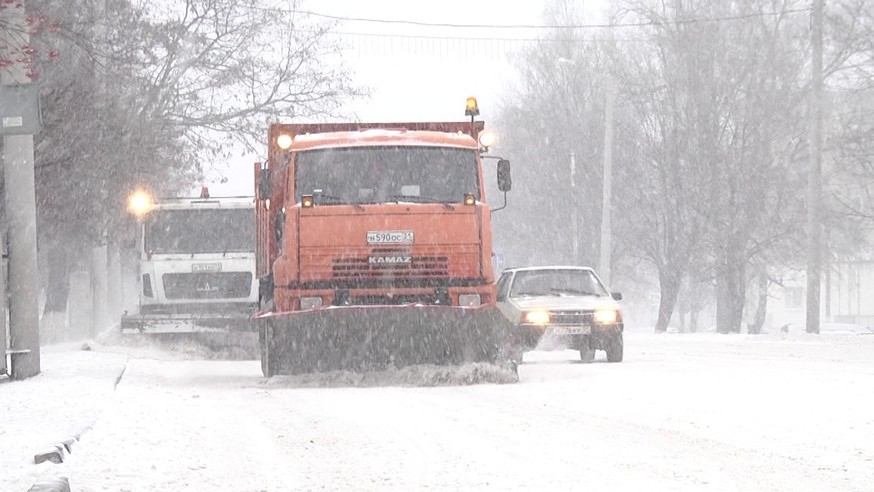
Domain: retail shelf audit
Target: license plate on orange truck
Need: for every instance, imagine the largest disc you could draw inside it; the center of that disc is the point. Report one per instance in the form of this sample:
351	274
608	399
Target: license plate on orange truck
389	237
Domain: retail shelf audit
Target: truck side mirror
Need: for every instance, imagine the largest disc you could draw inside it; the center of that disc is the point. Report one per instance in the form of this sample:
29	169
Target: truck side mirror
264	183
279	225
504	180
616	295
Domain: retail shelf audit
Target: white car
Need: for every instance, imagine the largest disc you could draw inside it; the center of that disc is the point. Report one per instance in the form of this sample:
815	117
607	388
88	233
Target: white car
569	305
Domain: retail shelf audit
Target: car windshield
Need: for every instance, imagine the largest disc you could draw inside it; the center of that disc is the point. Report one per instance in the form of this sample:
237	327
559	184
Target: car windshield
557	282
200	231
386	174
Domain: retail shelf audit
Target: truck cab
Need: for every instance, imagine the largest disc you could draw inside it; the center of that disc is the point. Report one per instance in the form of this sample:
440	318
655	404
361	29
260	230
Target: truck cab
378	216
197	266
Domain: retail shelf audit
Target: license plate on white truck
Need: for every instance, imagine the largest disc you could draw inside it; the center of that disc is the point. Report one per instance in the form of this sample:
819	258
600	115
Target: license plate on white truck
206	267
389	237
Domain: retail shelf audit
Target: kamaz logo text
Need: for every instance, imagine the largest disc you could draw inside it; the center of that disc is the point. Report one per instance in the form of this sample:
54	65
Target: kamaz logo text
378	260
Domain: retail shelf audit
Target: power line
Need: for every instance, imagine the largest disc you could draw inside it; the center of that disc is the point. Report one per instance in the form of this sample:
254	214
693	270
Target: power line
450	46
555	26
470	45
475	38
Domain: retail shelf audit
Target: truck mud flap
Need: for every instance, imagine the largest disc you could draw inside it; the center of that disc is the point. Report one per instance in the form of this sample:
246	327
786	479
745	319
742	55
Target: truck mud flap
363	338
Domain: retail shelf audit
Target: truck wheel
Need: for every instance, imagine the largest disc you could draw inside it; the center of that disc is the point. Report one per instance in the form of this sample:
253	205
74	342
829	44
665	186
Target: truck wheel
614	348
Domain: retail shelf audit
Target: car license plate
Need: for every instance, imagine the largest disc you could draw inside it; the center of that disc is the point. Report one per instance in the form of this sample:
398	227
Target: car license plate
571	330
206	267
389	237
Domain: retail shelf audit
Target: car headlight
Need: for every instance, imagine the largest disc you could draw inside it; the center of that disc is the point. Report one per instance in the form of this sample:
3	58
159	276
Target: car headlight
469	300
538	317
606	316
310	302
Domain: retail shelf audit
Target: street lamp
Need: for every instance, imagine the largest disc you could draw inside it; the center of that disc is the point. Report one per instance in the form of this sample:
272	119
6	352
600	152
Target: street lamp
140	203
575	212
575	209
606	183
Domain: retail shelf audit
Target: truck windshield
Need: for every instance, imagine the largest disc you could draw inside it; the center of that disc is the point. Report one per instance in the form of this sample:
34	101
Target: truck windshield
354	175
200	231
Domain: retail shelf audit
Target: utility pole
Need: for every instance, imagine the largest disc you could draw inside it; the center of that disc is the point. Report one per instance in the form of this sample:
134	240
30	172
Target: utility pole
575	212
814	178
607	183
20	210
100	275
3	327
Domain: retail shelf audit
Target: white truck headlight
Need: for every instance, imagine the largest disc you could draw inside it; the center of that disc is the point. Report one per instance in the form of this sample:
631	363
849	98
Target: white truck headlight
310	302
469	300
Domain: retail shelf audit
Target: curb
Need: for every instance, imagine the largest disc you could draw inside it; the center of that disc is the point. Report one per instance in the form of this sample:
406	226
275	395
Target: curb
57	453
60	484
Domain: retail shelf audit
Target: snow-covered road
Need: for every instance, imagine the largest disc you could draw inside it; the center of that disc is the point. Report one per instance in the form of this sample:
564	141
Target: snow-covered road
683	412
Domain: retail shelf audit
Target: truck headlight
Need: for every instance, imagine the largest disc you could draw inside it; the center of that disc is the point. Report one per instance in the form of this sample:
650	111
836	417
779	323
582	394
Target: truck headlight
310	302
284	141
469	300
606	316
538	317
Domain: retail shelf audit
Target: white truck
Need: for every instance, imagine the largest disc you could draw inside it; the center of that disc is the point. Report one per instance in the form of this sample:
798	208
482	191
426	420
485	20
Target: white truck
197	265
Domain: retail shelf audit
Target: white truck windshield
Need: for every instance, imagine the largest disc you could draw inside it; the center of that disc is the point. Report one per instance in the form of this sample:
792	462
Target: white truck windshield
200	231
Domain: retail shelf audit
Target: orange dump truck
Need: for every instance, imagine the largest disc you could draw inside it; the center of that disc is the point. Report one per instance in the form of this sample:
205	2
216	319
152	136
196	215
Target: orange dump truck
375	248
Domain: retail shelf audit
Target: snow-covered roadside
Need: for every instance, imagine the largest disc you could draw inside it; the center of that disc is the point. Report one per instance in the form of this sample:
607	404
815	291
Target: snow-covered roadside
58	404
683	412
178	424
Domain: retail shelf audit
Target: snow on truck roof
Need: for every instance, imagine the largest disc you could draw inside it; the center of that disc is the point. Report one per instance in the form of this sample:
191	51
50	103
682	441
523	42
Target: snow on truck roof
377	137
205	203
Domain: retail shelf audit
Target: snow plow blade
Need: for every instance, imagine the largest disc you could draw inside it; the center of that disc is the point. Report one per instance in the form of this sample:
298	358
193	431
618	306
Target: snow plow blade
370	338
145	324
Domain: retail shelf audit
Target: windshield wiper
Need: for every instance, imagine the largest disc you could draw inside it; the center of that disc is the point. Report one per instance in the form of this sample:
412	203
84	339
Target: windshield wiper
528	294
576	292
418	199
326	199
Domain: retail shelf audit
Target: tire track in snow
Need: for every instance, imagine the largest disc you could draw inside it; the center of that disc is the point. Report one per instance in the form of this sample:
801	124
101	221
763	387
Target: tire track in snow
354	448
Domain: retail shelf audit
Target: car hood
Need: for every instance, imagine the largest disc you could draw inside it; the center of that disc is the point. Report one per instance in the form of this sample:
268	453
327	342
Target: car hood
564	303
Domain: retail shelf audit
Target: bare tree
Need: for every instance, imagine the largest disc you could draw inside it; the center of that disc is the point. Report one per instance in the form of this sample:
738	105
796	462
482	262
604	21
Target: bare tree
553	125
142	96
717	84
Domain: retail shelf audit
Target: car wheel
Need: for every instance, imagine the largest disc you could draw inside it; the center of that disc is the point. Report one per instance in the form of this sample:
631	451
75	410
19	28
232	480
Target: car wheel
587	353
267	368
615	349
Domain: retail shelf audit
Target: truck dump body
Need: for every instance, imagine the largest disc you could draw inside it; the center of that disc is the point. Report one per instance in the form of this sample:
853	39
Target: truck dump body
379	253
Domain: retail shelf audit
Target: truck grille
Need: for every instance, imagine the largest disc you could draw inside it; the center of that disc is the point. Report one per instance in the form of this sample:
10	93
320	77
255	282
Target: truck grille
435	299
207	285
418	267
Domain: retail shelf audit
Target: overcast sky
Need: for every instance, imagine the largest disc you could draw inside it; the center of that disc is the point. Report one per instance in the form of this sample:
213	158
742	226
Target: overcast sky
420	73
